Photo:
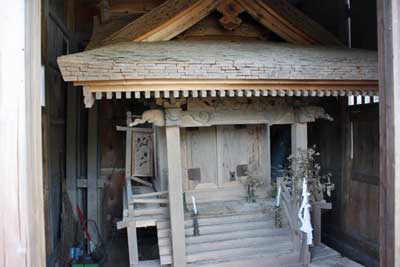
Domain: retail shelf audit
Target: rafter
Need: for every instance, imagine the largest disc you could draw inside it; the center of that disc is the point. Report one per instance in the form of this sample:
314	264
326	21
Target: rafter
175	16
164	22
288	22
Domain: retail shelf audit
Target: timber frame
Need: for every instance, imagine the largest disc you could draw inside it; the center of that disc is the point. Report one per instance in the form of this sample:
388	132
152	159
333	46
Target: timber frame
32	233
122	67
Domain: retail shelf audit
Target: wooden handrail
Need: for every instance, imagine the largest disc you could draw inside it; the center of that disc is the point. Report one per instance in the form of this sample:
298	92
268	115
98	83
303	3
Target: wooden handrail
291	205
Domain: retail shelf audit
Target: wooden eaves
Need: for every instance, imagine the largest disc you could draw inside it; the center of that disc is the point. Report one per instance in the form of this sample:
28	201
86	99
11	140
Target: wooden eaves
183	69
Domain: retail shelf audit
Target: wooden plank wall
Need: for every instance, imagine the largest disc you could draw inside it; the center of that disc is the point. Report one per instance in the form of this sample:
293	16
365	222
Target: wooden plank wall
21	192
55	42
112	158
63	130
349	150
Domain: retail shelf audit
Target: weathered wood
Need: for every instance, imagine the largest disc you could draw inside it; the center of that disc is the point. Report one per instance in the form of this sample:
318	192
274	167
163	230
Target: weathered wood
230	11
389	109
92	174
175	16
316	220
141	181
21	184
72	147
175	196
132	244
225	61
161	193
148	201
164	22
288	22
128	162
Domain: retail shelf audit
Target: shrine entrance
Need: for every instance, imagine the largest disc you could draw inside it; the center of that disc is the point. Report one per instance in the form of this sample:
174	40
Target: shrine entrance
216	160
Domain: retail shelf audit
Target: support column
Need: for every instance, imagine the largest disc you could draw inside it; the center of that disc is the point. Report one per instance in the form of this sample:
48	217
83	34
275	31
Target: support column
299	138
299	143
176	196
92	173
132	231
389	119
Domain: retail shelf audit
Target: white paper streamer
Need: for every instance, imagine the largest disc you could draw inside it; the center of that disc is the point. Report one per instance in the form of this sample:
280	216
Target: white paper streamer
278	197
304	215
194	205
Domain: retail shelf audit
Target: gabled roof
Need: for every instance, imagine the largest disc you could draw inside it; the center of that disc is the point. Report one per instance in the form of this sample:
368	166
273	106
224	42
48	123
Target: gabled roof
175	16
219	60
220	68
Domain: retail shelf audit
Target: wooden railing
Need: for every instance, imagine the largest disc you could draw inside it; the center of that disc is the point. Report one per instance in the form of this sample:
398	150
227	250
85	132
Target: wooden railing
290	201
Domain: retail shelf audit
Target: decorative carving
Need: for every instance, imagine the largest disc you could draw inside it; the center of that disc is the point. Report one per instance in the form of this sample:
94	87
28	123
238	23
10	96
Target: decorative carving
173	116
88	97
311	113
155	116
230	10
203	113
142	159
196	118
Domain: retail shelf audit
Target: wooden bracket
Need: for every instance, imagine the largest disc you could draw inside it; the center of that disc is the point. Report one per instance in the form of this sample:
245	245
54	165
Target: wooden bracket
230	10
88	97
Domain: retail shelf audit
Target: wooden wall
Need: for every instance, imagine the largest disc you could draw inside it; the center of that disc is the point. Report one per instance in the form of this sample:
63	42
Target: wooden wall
64	130
112	158
349	149
56	42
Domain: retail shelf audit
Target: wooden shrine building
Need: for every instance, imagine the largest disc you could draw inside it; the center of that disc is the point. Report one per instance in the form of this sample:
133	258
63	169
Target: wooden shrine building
163	133
215	85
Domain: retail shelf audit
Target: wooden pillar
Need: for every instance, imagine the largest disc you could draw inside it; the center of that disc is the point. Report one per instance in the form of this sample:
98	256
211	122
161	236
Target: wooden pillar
132	232
133	244
92	173
299	143
72	144
389	109
21	183
299	137
176	196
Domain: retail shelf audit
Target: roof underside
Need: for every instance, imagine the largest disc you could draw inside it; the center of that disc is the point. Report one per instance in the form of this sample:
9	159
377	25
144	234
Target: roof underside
219	60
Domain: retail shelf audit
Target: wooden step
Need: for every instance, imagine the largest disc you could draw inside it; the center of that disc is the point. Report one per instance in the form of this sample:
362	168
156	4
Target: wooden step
284	260
267	232
228	219
238	243
235	253
229	244
216	229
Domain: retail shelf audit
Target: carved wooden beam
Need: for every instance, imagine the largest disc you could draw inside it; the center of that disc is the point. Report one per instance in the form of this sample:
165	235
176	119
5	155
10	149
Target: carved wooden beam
205	113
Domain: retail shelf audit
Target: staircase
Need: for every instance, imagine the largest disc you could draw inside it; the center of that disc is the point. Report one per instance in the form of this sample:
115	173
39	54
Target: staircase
239	236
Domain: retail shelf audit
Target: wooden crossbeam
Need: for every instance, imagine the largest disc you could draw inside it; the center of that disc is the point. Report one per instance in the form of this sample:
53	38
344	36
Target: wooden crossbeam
141	181
151	194
148	201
